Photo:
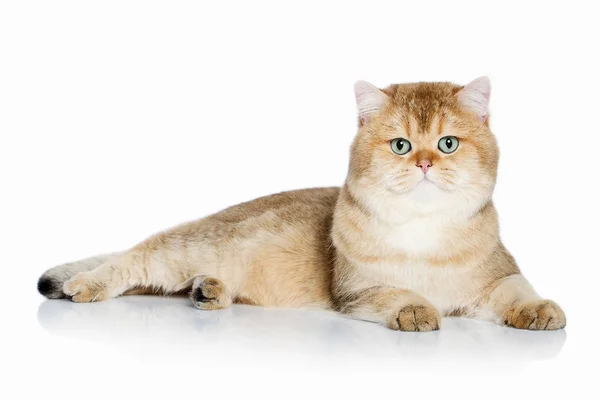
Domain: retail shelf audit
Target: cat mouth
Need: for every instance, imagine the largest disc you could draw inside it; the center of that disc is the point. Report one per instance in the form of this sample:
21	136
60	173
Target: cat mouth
426	181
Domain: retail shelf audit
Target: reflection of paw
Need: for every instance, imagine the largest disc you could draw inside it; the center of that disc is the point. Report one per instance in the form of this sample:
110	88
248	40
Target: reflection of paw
84	289
541	315
415	318
209	294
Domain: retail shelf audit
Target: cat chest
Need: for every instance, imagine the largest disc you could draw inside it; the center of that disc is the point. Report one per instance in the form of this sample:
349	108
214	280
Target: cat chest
447	288
419	238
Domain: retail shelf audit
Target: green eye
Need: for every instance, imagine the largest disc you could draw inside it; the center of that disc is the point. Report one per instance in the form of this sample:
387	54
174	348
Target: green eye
448	144
400	146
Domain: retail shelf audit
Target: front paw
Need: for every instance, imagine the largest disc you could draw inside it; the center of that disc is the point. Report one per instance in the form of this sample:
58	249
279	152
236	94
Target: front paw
415	318
84	288
540	315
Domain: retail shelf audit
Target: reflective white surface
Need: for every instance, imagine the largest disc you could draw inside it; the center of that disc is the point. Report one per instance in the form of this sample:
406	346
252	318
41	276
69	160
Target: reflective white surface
159	347
132	322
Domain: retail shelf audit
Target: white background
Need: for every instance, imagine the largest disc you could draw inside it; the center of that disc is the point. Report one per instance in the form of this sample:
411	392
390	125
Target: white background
122	118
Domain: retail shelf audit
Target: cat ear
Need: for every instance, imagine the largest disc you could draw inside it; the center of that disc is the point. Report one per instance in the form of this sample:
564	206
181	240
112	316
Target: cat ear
369	100
475	97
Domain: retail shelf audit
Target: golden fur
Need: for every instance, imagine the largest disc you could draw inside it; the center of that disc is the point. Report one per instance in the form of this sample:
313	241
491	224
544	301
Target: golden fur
396	244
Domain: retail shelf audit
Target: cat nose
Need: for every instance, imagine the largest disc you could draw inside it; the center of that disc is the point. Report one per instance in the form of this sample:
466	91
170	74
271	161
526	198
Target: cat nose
424	165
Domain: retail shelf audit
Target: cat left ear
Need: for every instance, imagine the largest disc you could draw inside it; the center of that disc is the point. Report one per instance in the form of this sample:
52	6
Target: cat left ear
369	100
475	97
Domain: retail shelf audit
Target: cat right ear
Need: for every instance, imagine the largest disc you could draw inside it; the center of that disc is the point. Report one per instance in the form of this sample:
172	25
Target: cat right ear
369	100
475	97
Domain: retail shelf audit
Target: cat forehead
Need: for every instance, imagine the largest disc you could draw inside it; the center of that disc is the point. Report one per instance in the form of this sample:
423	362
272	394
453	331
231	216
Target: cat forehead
421	106
423	95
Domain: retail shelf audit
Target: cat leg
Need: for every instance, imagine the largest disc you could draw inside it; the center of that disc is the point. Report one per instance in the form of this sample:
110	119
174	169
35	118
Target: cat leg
51	282
132	269
209	294
398	309
512	301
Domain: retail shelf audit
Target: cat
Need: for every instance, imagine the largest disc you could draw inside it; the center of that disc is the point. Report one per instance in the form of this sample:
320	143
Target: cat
410	237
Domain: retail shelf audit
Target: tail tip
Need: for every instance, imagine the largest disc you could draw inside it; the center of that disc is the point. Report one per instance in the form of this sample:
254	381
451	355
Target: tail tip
50	287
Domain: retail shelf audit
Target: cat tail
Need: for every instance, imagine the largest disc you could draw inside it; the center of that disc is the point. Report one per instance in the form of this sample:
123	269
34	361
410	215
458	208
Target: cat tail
51	282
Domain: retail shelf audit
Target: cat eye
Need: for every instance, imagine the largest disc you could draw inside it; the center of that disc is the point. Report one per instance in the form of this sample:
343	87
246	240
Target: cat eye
400	146
448	144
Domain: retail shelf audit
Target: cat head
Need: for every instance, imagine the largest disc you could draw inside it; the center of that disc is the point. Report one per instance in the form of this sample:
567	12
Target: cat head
423	148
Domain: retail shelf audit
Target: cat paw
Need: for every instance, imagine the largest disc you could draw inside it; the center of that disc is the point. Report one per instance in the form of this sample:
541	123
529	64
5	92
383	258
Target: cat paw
209	294
540	315
415	318
83	288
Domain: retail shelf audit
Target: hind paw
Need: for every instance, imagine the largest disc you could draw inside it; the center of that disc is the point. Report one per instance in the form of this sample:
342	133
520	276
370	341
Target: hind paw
84	288
209	294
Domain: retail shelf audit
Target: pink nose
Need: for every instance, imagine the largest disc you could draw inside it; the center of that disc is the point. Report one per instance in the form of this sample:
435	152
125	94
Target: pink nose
424	165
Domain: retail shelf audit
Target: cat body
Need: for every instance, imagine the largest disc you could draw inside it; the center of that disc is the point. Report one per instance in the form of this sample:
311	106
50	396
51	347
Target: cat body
272	251
411	236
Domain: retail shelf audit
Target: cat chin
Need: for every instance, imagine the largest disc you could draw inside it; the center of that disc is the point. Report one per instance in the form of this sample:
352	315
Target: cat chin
427	191
430	198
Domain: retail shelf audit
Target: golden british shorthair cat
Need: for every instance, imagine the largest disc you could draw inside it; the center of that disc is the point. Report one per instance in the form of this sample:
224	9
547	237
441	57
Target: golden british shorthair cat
410	237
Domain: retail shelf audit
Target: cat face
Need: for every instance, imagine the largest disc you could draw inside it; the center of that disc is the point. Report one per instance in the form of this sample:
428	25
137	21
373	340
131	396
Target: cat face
424	146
